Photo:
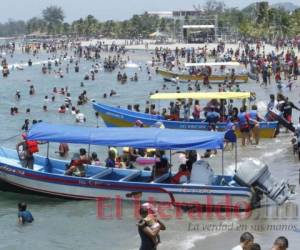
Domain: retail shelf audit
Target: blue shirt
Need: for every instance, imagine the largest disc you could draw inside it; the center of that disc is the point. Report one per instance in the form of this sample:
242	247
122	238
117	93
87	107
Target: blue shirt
26	216
212	117
229	125
110	163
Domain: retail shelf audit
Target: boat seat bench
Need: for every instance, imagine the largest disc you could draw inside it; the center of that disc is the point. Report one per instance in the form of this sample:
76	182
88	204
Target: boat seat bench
162	178
131	176
101	174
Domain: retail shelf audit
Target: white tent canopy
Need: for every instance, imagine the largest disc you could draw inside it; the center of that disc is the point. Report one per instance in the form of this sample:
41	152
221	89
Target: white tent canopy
158	34
198	26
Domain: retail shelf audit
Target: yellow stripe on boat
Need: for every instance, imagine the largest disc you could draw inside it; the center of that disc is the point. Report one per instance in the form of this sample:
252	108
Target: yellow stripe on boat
118	122
199	95
263	133
186	77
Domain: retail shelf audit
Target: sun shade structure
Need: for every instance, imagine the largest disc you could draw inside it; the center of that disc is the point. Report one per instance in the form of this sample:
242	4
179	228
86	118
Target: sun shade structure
208	26
131	137
212	64
199	95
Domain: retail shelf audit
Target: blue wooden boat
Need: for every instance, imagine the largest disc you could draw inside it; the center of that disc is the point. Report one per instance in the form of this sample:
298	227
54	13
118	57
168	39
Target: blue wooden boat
119	117
48	175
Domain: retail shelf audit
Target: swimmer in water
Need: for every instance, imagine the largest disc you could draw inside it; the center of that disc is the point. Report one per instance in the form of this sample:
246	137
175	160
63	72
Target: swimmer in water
16	110
18	95
24	215
31	90
62	109
112	93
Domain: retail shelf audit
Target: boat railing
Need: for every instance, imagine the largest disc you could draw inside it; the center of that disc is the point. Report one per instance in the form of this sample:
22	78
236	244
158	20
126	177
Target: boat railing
16	163
102	173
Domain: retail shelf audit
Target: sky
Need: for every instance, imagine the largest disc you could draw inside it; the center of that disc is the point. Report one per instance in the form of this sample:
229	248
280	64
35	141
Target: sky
103	9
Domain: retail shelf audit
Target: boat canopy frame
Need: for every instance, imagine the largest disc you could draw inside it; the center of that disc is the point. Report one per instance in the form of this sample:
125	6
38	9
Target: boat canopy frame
213	64
201	95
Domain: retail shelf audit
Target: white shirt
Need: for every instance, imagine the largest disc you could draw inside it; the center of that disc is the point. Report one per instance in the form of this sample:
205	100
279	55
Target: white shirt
238	247
80	117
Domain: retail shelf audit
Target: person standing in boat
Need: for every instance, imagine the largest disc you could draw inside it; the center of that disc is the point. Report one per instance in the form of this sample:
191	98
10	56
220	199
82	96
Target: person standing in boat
110	162
25	150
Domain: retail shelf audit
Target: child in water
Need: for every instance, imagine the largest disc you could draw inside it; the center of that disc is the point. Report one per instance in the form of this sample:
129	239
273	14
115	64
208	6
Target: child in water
24	215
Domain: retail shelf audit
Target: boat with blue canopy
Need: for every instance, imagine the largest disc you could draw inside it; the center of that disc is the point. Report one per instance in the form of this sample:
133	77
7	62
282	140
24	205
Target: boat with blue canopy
48	175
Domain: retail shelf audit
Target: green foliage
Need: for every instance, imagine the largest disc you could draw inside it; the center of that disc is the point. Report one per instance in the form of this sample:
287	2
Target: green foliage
252	21
53	15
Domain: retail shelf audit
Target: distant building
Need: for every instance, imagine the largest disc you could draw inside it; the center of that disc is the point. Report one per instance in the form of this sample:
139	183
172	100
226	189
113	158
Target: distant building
192	26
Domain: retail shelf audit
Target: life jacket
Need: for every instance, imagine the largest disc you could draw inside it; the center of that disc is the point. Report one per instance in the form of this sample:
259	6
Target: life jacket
253	116
180	177
76	163
32	146
243	120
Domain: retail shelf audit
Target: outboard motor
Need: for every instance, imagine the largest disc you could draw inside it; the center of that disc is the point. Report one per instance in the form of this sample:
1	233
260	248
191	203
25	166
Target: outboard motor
254	173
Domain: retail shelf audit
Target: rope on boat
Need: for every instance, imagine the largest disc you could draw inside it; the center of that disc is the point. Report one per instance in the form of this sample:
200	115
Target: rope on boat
7	139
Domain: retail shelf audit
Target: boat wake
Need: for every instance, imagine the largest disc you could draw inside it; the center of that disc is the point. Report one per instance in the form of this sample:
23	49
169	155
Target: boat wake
271	154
